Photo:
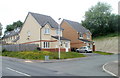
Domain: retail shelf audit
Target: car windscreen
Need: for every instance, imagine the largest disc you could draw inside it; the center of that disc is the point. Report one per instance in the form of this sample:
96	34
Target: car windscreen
82	47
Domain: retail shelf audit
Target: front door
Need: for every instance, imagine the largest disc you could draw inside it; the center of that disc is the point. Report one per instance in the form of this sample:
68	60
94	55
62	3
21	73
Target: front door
66	46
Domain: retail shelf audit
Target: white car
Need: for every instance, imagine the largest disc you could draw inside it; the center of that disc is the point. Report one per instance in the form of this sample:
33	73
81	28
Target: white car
85	49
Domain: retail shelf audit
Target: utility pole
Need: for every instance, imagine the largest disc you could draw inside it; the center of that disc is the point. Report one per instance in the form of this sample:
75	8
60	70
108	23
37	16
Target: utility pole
59	33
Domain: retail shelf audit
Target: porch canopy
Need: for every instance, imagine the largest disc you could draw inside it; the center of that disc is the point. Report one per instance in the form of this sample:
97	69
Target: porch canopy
87	41
61	38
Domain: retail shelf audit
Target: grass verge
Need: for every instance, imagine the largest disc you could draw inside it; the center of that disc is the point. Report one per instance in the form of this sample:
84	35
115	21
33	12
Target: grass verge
107	36
103	53
40	55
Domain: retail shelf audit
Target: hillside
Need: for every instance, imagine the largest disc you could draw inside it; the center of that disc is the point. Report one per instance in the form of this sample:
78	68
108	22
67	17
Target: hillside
107	44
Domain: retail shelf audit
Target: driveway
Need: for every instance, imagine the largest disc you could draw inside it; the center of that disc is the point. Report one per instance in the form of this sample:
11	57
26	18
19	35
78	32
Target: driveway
87	66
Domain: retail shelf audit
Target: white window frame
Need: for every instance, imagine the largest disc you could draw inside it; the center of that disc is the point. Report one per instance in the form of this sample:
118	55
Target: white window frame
29	33
81	35
66	44
46	44
58	32
47	31
88	36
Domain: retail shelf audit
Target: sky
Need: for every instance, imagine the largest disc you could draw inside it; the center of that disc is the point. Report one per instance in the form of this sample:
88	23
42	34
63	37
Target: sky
14	10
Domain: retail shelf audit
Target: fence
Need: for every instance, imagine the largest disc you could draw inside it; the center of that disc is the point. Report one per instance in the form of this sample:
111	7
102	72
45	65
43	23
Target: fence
20	47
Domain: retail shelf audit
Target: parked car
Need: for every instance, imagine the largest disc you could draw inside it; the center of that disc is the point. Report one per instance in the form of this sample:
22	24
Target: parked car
85	49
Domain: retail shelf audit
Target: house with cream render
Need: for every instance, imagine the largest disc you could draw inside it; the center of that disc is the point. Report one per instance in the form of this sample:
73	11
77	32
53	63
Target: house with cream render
11	37
42	30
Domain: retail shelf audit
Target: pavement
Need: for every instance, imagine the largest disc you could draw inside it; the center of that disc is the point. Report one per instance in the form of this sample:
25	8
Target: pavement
86	66
111	68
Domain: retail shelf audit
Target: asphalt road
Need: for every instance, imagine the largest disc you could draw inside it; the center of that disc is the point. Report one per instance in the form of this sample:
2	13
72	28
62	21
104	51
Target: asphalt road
87	66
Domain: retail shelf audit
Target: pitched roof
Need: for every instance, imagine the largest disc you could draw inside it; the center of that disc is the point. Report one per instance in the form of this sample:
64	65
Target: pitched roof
44	19
77	26
12	33
61	38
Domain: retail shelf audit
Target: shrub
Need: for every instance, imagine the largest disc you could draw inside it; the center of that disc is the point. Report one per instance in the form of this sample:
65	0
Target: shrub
4	50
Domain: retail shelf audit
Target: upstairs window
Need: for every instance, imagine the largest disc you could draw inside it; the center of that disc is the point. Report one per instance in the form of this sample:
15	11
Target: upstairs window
57	32
81	35
88	36
28	33
47	31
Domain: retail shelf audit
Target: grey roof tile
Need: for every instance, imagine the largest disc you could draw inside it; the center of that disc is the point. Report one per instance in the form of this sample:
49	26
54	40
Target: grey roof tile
77	26
44	19
12	33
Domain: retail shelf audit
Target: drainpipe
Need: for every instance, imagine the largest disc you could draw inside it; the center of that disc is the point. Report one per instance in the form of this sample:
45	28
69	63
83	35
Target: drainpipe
40	37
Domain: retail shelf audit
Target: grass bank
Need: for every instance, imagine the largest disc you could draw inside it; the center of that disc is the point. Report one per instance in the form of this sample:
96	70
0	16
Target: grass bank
103	53
107	36
40	55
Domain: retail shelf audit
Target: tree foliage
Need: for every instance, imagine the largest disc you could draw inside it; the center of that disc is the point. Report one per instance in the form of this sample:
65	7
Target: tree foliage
11	27
100	21
0	29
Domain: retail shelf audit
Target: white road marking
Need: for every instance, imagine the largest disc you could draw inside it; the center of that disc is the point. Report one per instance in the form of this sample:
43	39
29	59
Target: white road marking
17	71
28	61
107	70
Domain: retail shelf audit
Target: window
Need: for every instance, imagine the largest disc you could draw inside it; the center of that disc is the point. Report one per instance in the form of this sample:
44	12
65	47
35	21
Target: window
57	32
11	38
88	36
46	44
28	33
66	44
47	31
81	35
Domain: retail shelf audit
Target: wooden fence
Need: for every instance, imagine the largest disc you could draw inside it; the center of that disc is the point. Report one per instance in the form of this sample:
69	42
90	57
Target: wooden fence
20	47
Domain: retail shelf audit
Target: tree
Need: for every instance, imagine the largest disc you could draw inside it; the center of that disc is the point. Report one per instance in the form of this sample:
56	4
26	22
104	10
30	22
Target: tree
113	23
0	29
13	26
97	19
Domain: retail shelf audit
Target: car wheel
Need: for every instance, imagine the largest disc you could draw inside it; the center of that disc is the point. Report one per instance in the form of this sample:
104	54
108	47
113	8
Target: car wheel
86	51
90	51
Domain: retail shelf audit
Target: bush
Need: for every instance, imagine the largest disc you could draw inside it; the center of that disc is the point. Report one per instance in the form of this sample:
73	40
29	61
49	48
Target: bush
4	50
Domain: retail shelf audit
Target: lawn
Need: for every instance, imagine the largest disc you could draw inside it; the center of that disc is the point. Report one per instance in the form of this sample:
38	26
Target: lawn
103	53
40	55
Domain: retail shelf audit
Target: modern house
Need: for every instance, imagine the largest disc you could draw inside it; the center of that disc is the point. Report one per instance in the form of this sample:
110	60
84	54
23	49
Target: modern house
11	37
79	35
39	29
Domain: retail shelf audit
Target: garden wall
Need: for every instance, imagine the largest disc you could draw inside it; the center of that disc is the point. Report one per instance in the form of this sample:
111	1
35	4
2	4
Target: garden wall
20	47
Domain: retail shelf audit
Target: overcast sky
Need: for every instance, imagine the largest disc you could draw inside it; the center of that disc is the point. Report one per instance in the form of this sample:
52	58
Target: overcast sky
14	10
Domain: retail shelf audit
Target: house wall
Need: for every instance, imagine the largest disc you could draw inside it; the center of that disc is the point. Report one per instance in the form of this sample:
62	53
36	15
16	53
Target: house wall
37	35
47	37
9	40
32	27
71	34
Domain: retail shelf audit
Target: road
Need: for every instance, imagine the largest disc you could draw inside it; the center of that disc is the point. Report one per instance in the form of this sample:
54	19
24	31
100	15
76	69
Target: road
87	66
